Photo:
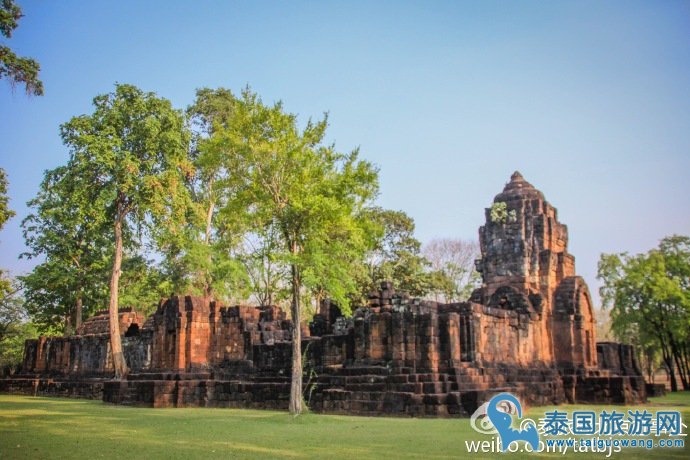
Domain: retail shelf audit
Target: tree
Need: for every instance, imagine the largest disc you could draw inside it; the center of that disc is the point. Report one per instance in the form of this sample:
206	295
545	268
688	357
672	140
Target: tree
69	230
649	298
57	301
200	252
210	252
452	262
131	155
17	69
396	256
311	196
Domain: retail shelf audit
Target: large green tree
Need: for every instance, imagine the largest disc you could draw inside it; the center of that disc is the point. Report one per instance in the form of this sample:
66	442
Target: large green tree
15	68
311	196
131	155
199	252
649	298
69	231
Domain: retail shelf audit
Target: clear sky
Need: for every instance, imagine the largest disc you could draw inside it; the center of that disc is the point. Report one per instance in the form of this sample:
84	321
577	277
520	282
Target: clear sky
590	100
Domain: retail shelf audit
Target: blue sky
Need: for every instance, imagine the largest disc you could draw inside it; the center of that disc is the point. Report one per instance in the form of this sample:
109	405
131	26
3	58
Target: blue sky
589	100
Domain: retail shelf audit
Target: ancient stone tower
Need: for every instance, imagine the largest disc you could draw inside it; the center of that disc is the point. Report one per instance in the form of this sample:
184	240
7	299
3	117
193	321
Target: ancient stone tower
526	267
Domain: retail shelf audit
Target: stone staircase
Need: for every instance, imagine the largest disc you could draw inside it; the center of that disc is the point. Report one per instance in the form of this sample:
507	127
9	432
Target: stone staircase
374	390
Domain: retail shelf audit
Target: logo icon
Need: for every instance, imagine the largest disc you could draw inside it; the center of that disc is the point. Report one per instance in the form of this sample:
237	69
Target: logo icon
499	411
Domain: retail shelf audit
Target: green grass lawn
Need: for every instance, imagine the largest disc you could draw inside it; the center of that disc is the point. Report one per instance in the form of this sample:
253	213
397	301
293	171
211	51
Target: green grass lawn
36	428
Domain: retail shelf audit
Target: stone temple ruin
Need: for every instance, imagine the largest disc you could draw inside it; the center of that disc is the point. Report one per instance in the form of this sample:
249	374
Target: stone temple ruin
528	330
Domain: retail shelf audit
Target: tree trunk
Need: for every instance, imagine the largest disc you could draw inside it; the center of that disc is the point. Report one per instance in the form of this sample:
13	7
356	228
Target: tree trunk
682	359
119	364
78	312
296	382
668	359
679	364
207	240
681	371
671	371
686	362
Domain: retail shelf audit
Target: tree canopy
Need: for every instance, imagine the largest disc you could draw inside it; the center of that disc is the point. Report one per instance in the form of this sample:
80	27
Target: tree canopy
71	233
200	249
396	255
17	69
649	298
